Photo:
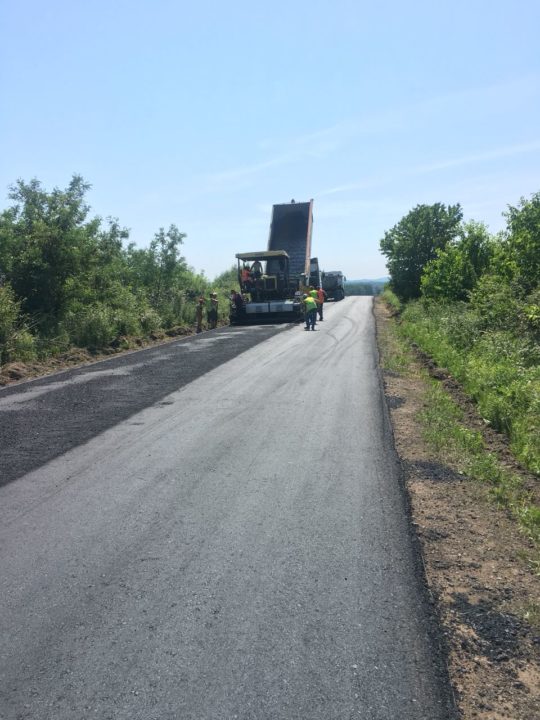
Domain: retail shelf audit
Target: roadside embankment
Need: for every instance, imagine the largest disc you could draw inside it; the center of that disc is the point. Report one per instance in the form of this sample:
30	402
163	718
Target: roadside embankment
481	563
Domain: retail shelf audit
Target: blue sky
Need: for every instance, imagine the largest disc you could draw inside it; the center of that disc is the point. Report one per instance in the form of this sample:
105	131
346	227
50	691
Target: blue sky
204	114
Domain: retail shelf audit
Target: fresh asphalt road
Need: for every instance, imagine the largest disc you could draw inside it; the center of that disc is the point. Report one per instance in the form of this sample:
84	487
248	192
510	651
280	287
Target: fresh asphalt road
213	529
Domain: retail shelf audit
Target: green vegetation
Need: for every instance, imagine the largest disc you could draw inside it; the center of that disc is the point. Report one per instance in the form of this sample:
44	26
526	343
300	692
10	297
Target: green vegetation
415	241
465	451
459	447
498	368
67	278
472	302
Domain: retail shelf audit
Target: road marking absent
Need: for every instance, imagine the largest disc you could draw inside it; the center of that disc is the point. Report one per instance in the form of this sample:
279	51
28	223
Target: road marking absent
12	401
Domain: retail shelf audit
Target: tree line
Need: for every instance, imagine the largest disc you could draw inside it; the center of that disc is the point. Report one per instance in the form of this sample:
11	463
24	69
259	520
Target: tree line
68	278
471	299
361	287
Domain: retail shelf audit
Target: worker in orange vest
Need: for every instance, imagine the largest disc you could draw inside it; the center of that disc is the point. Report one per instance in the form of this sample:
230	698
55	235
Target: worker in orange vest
321	298
246	277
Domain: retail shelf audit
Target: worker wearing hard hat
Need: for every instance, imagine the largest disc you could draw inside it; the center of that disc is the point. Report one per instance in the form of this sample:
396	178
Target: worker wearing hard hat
310	308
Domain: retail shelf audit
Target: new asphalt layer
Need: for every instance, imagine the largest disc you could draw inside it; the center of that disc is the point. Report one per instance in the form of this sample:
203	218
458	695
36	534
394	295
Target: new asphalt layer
213	529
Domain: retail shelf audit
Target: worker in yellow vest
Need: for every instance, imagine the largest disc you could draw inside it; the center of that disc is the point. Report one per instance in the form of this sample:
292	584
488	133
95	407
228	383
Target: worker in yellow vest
310	309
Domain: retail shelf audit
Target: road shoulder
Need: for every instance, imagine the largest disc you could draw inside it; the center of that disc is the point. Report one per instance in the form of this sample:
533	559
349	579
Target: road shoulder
477	563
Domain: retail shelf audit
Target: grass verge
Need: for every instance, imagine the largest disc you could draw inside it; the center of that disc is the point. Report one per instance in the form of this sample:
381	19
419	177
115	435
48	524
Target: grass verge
460	447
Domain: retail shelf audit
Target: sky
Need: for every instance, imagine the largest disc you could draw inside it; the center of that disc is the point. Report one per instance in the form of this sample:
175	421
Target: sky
205	114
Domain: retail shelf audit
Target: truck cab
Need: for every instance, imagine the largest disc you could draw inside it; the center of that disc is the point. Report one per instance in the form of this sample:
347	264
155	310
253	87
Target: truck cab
333	283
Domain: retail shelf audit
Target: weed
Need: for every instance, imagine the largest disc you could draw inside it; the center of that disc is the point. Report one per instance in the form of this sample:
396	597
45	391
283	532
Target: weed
496	369
444	430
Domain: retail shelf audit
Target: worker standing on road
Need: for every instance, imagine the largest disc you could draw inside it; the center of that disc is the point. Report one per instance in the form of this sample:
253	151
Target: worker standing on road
212	311
321	297
310	309
199	314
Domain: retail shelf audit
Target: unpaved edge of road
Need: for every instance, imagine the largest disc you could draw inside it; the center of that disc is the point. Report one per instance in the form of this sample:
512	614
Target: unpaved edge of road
474	559
19	371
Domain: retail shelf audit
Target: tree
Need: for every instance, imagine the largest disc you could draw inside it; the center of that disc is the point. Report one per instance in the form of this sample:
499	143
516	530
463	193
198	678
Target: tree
414	242
227	279
521	251
456	269
46	242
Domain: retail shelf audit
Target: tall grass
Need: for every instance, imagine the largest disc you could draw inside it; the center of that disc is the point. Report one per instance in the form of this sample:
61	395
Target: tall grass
464	449
495	368
443	424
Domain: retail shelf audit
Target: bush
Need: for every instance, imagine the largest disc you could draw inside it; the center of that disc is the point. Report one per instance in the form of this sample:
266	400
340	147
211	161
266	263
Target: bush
16	342
150	320
125	322
92	327
494	366
497	303
23	346
391	299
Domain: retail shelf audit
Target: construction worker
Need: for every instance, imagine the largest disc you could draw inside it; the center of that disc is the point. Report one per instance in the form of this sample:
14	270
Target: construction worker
256	270
212	311
321	298
199	314
310	309
237	301
246	277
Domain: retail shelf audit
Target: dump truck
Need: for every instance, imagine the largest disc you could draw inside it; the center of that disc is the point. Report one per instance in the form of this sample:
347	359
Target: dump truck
333	284
272	280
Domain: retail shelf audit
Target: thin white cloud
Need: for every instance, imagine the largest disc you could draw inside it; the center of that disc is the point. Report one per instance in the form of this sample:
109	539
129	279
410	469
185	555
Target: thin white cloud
473	159
323	142
318	143
495	154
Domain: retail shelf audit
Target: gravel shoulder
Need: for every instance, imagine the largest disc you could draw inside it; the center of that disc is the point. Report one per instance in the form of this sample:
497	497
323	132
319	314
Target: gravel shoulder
477	564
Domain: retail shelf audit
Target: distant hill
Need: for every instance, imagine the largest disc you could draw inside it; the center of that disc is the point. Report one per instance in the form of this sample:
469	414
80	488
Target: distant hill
377	281
365	286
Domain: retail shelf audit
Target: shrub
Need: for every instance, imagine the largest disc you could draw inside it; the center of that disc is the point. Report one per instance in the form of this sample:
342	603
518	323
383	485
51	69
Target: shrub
391	299
495	367
92	327
23	346
16	341
150	320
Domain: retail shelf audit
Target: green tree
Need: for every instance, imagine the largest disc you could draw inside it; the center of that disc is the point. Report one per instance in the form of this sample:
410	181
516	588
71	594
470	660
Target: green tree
9	315
44	241
521	250
414	242
228	279
456	269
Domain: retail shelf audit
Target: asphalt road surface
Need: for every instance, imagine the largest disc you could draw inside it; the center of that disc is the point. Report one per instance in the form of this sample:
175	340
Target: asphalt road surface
213	529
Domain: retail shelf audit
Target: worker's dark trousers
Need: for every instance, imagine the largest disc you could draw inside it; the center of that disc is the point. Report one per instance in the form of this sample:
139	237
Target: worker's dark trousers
311	319
319	310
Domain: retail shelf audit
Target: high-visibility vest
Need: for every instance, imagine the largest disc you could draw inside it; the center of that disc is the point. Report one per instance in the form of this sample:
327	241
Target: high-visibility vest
310	303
